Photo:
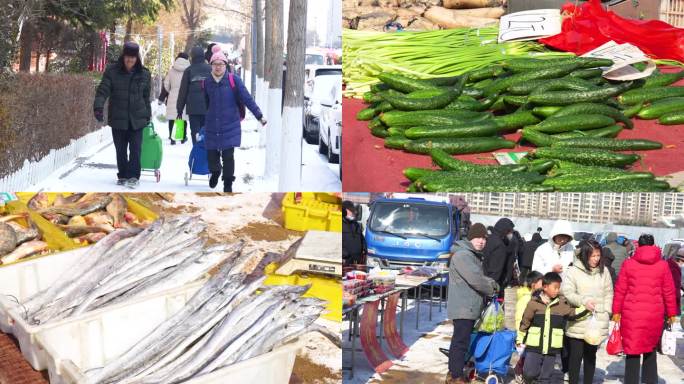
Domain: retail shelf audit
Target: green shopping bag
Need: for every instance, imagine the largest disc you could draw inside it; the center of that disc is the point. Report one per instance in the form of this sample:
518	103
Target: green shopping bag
179	129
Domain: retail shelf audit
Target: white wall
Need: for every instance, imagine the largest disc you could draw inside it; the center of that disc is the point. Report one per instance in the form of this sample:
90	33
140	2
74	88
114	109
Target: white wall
529	225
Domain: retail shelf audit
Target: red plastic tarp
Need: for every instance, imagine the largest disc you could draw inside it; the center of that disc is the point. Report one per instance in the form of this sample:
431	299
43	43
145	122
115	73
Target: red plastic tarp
369	167
589	26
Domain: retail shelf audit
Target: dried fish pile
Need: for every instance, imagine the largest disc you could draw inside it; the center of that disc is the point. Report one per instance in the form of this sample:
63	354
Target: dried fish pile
18	241
230	319
86	217
128	263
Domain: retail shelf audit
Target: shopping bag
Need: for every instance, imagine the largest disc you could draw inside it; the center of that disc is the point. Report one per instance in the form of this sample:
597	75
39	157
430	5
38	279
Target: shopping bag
592	333
614	345
179	129
668	343
492	318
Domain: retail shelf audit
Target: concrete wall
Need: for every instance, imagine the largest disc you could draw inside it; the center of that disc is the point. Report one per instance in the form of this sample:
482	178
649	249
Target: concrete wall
529	225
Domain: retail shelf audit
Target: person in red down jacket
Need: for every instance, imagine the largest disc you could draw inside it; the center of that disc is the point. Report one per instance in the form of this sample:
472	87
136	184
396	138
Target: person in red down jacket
644	294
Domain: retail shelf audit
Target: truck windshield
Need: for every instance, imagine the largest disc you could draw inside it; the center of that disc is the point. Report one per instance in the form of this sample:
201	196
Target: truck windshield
409	219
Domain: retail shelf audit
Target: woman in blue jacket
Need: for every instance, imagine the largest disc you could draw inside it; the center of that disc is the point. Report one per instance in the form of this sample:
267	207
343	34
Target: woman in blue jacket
226	98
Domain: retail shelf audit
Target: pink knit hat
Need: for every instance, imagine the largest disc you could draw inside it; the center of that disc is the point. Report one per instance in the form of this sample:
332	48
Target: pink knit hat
217	54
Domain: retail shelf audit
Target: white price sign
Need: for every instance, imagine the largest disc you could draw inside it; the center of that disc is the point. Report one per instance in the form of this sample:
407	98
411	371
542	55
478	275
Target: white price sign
623	56
529	25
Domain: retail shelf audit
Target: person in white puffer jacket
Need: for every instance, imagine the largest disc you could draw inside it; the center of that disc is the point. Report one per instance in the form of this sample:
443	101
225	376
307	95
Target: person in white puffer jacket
556	254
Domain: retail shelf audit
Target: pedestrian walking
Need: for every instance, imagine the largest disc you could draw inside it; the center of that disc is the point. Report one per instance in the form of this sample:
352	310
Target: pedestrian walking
191	94
525	259
354	247
226	97
557	253
127	85
644	295
172	84
533	283
587	283
468	288
499	252
542	329
618	249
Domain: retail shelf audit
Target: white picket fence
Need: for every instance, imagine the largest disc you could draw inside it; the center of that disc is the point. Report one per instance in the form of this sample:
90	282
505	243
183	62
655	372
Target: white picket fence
34	172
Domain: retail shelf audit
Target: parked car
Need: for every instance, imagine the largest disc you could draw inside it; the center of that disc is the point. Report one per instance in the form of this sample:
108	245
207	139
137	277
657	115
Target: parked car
671	247
319	81
330	127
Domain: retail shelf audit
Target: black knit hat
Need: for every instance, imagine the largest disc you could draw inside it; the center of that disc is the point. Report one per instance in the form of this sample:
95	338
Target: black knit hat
131	49
477	230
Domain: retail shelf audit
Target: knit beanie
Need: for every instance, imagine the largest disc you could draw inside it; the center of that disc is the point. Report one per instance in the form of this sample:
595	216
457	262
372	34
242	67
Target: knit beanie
477	230
218	55
131	49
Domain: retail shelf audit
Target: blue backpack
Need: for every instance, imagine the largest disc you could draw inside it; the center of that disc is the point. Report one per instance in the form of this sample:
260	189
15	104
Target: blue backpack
492	351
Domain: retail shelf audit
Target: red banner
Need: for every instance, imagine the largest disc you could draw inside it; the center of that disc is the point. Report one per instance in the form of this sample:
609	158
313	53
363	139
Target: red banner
369	338
396	344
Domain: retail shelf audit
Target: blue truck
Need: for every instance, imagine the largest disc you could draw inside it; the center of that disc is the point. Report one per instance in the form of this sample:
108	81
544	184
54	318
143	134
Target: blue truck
413	230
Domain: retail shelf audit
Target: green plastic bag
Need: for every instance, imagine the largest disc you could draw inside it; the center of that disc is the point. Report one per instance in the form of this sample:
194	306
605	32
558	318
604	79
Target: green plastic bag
492	319
179	129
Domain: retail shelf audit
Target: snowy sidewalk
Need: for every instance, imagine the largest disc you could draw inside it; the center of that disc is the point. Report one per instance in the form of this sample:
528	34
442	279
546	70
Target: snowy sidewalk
96	169
424	364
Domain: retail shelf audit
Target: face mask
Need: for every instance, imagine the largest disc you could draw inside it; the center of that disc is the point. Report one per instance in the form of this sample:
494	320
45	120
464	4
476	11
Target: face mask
509	236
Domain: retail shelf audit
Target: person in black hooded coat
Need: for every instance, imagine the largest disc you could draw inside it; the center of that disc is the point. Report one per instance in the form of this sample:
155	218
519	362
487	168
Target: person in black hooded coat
127	85
354	247
499	252
527	256
191	93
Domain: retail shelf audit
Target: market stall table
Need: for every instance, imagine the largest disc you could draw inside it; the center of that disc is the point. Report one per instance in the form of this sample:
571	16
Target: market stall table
371	167
403	284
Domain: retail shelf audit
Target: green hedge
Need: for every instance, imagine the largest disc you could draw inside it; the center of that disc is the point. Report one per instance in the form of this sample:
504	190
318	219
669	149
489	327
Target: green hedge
40	112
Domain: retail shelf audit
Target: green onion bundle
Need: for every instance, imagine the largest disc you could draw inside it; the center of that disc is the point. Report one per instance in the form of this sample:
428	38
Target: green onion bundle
425	54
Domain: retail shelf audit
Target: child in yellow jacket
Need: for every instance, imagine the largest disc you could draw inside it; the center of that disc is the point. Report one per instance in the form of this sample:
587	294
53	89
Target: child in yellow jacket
533	282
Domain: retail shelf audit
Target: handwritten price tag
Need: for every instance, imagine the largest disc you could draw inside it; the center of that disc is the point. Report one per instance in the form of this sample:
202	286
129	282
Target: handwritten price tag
529	25
623	56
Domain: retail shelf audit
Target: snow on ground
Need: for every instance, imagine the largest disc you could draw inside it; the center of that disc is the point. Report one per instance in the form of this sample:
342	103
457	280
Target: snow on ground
425	364
96	169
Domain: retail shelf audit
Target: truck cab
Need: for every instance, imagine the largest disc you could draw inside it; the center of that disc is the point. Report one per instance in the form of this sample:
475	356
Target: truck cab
411	231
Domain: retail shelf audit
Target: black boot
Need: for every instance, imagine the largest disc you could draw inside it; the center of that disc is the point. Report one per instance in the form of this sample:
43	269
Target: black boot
228	185
213	180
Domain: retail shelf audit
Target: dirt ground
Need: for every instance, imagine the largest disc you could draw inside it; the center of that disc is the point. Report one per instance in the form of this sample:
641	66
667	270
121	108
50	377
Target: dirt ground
308	372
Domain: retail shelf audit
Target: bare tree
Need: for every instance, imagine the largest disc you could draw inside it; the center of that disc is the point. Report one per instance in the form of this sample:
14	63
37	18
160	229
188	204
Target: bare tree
26	47
268	37
291	147
264	140
260	51
274	79
192	18
247	51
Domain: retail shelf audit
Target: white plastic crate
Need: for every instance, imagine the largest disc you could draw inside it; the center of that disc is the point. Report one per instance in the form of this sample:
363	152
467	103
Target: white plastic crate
75	347
672	12
20	281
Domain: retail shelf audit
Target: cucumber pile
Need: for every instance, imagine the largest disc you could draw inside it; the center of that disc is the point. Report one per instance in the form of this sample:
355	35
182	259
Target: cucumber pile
563	106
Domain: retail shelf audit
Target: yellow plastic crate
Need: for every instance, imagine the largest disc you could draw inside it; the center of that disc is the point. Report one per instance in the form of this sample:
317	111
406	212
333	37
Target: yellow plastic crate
327	288
56	238
315	211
